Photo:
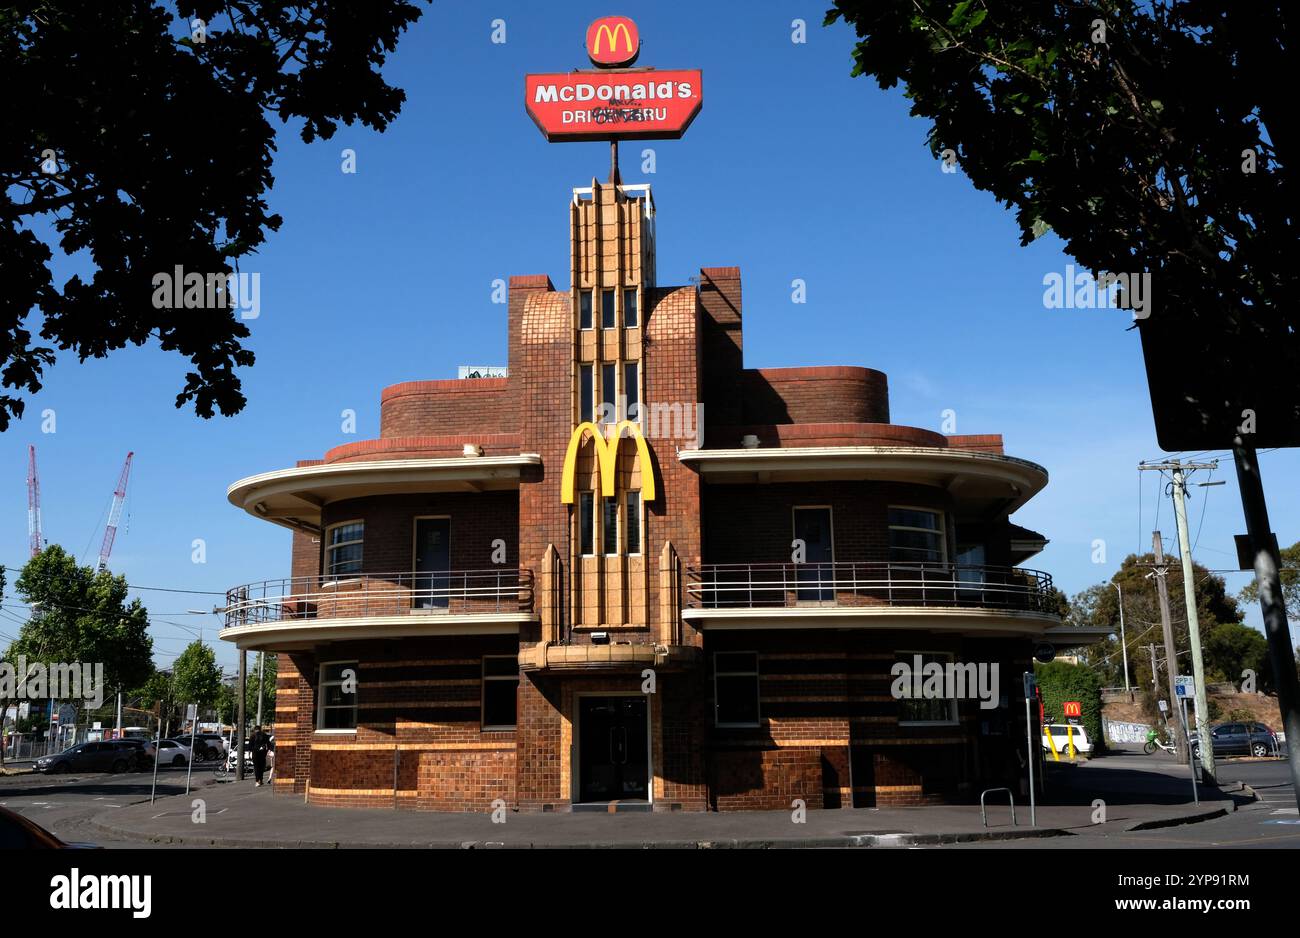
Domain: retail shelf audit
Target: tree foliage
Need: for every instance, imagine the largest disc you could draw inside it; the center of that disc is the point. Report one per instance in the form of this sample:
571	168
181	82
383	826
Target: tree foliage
138	141
196	679
1290	574
1060	681
80	614
1151	137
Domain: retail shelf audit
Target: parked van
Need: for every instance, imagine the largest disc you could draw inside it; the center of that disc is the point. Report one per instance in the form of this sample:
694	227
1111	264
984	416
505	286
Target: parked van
1061	735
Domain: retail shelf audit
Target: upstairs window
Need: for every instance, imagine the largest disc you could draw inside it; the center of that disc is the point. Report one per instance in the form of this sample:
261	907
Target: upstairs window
916	535
633	523
586	393
609	524
343	549
607	320
587	523
629	308
608	393
584	310
632	390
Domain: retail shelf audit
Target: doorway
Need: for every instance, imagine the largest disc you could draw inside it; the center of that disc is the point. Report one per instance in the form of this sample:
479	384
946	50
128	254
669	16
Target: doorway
613	749
432	563
812	525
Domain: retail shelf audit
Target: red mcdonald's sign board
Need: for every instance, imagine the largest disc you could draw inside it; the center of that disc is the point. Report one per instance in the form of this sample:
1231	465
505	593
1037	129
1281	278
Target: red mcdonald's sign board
614	102
1072	708
634	105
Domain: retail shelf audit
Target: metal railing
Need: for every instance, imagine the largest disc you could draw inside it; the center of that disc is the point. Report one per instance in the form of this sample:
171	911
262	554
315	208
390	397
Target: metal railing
454	592
866	583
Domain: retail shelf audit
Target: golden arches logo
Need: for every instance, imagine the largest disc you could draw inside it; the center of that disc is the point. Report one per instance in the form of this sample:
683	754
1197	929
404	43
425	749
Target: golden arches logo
606	457
603	39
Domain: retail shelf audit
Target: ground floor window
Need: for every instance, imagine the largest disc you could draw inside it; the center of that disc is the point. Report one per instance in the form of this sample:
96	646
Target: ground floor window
500	691
735	688
338	696
917	709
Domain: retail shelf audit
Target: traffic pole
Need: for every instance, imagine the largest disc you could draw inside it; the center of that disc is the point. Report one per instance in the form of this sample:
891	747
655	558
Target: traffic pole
1263	549
1193	624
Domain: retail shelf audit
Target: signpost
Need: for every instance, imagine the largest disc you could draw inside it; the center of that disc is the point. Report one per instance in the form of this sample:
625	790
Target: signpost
1031	685
191	714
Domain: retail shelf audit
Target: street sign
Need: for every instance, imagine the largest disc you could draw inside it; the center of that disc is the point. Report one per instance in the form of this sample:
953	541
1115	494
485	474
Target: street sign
1185	686
191	712
1072	708
1044	652
613	42
1030	683
1164	705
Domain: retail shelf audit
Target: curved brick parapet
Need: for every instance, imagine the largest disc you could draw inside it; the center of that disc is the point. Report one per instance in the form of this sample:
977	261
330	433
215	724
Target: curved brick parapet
426	408
827	434
838	394
425	447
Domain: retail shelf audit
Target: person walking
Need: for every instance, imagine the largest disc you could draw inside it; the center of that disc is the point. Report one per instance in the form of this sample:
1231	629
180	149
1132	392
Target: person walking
258	745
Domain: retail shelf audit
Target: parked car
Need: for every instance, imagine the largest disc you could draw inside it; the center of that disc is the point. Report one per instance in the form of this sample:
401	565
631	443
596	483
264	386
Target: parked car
168	752
20	833
109	756
1061	734
1240	739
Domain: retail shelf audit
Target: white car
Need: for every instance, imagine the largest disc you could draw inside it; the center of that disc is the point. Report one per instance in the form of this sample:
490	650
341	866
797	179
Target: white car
1061	735
168	752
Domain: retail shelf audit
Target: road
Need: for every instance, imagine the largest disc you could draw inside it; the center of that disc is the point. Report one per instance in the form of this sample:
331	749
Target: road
64	804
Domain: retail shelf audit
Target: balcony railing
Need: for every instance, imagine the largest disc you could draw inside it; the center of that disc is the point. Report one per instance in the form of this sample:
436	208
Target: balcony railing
345	596
851	583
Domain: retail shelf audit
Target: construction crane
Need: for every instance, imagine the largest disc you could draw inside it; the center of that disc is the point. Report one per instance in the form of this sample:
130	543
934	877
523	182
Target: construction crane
114	513
33	503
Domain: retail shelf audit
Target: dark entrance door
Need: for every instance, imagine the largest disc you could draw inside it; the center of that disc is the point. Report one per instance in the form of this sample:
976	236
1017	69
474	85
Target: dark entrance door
432	562
813	527
613	749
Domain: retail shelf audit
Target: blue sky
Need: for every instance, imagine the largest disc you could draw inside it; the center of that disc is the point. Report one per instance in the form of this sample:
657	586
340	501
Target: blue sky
792	170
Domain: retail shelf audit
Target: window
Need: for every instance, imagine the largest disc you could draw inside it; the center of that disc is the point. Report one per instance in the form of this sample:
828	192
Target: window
631	390
608	379
500	691
609	525
923	710
916	534
586	392
587	523
338	696
343	548
629	308
735	688
633	522
607	309
584	310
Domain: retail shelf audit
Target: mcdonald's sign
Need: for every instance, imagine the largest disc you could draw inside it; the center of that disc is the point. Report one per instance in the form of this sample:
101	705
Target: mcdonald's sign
613	41
614	102
606	460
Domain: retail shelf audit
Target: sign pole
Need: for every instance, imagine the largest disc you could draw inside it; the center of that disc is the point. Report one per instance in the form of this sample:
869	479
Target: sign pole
157	752
192	711
1029	739
1191	763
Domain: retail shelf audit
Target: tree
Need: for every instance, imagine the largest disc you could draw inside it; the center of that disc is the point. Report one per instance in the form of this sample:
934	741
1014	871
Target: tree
137	135
196	679
1290	574
1061	681
82	615
157	693
1153	139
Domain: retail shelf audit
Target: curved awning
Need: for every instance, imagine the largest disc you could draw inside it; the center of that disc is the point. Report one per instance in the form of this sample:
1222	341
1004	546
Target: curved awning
294	497
985	481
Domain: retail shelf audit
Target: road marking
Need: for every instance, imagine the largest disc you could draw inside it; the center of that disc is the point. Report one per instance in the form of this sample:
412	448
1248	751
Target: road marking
1286	811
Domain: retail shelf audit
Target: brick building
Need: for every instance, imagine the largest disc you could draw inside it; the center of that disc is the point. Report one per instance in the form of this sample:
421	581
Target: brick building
514	596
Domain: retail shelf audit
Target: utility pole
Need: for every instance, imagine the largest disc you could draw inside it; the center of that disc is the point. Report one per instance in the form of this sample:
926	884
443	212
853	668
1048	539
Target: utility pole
1123	640
239	719
1162	590
1193	621
1263	548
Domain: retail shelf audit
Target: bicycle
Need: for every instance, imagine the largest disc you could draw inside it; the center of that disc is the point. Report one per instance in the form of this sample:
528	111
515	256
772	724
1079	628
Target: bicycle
1156	743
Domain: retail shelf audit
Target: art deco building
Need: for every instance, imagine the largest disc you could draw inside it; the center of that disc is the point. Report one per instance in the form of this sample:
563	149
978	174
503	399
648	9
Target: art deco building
515	596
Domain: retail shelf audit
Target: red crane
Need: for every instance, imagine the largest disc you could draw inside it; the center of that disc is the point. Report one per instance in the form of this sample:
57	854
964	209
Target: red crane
33	503
114	513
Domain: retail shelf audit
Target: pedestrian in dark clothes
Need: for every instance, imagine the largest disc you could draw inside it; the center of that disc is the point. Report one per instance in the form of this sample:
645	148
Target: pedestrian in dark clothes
259	746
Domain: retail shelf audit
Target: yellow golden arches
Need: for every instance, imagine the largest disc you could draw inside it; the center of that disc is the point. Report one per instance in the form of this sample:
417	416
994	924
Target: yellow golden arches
606	454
